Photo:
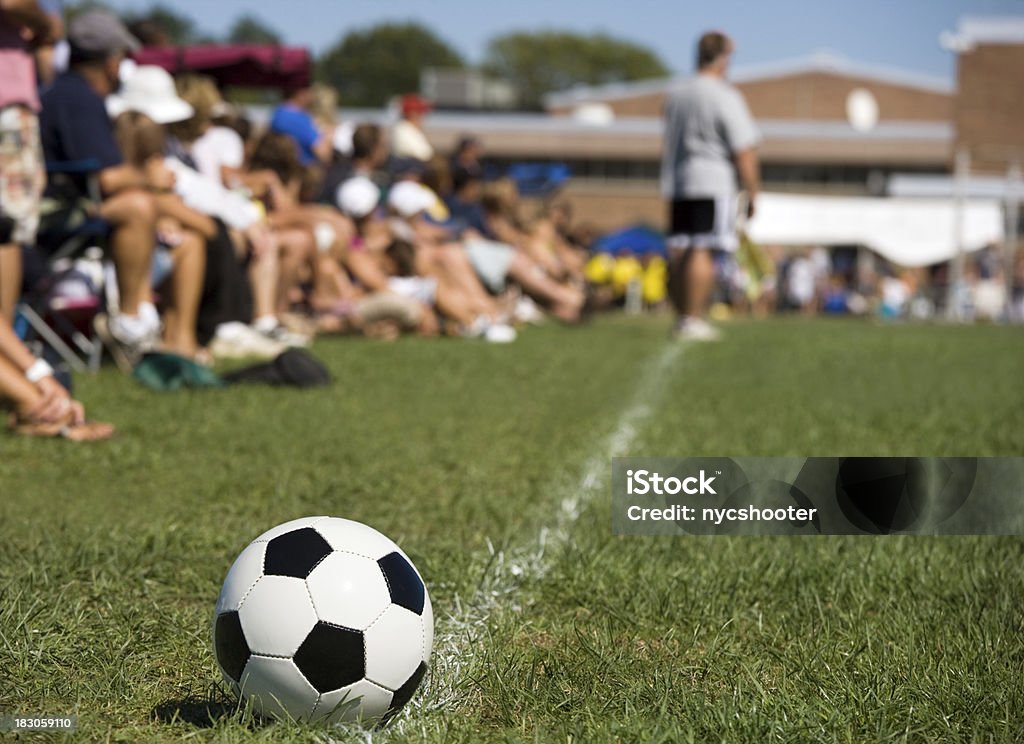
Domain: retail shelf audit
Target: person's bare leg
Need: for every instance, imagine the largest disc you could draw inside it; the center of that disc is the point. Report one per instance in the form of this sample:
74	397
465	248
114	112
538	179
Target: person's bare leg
133	215
565	302
264	272
699	280
10	280
428	325
309	215
297	249
540	251
451	303
186	288
677	263
454	261
690	283
331	284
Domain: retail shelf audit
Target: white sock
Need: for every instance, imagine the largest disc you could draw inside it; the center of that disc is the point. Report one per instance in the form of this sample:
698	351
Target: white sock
129	329
148	313
265	323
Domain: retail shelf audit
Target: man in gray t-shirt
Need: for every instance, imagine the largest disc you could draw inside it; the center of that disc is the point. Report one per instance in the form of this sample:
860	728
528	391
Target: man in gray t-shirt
710	140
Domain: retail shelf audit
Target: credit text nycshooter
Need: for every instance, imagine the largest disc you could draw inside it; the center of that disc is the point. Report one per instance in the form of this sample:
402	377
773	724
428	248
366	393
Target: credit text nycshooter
680	513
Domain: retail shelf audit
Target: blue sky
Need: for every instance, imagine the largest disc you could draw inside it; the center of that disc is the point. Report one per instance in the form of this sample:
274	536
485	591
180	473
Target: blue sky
900	33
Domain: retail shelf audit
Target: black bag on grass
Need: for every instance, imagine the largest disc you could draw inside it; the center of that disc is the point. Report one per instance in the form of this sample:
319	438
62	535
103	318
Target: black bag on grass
293	367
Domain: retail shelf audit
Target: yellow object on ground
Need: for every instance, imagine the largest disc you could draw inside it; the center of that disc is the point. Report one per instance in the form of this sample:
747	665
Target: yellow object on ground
599	269
626	269
655	282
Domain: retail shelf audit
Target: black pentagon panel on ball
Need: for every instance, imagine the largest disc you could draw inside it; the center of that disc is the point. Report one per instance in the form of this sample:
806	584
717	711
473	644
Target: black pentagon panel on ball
331	657
404	583
230	645
404	693
295	553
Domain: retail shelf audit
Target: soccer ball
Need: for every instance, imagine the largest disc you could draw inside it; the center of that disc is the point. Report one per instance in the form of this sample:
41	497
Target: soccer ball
323	619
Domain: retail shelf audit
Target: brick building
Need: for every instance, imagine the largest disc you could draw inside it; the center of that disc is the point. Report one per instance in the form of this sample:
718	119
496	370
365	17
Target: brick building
988	114
800	106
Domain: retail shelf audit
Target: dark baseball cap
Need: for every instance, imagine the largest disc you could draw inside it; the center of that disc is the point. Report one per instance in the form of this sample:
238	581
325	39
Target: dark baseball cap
97	33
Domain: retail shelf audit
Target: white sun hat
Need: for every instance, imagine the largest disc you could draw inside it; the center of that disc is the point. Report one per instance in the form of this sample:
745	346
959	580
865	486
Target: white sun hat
358	196
409	198
150	90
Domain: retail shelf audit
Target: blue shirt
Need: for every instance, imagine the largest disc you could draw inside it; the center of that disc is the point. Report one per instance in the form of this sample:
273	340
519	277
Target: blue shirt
300	126
469	215
74	126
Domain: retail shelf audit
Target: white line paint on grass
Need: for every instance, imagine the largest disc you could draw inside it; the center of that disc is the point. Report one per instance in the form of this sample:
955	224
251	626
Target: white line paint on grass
464	627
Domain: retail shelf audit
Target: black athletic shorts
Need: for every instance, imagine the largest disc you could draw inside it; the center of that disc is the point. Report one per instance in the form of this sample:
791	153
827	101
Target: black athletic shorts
691	216
703	223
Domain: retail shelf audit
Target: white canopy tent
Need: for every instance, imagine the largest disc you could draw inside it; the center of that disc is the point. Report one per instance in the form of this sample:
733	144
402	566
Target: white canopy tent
909	232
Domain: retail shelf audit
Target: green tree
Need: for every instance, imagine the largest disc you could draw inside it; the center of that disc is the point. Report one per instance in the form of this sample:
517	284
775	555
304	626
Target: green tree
74	9
249	29
179	28
549	61
371	65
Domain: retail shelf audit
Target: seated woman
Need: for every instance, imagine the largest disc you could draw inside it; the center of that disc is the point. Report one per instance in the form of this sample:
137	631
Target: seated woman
214	177
539	238
181	236
276	155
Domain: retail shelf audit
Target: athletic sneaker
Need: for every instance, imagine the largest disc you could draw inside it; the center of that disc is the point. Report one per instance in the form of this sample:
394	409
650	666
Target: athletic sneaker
695	329
526	311
500	333
283	335
495	333
271	328
239	341
127	338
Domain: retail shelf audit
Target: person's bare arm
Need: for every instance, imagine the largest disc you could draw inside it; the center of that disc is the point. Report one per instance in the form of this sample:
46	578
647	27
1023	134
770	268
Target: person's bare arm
171	205
261	184
504	231
13	349
120	178
364	267
153	176
45	45
324	147
750	176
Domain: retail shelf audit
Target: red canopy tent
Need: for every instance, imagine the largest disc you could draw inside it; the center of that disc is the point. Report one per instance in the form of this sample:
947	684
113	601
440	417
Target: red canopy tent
241	65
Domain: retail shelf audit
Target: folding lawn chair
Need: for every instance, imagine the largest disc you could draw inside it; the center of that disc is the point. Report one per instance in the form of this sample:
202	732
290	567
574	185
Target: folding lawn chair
64	280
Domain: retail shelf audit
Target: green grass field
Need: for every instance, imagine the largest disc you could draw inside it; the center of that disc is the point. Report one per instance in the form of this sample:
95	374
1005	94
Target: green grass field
549	628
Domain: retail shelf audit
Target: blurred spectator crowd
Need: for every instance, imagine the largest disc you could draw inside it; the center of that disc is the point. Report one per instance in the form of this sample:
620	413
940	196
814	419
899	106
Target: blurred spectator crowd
221	239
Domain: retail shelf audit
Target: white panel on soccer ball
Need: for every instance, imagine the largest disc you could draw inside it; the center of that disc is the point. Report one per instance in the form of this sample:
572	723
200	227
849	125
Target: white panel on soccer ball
348	590
277	688
295	524
277	616
355	537
428	627
244	572
363	701
394	647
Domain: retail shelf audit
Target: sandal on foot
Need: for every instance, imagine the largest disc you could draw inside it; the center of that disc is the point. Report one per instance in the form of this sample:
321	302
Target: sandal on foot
85	431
